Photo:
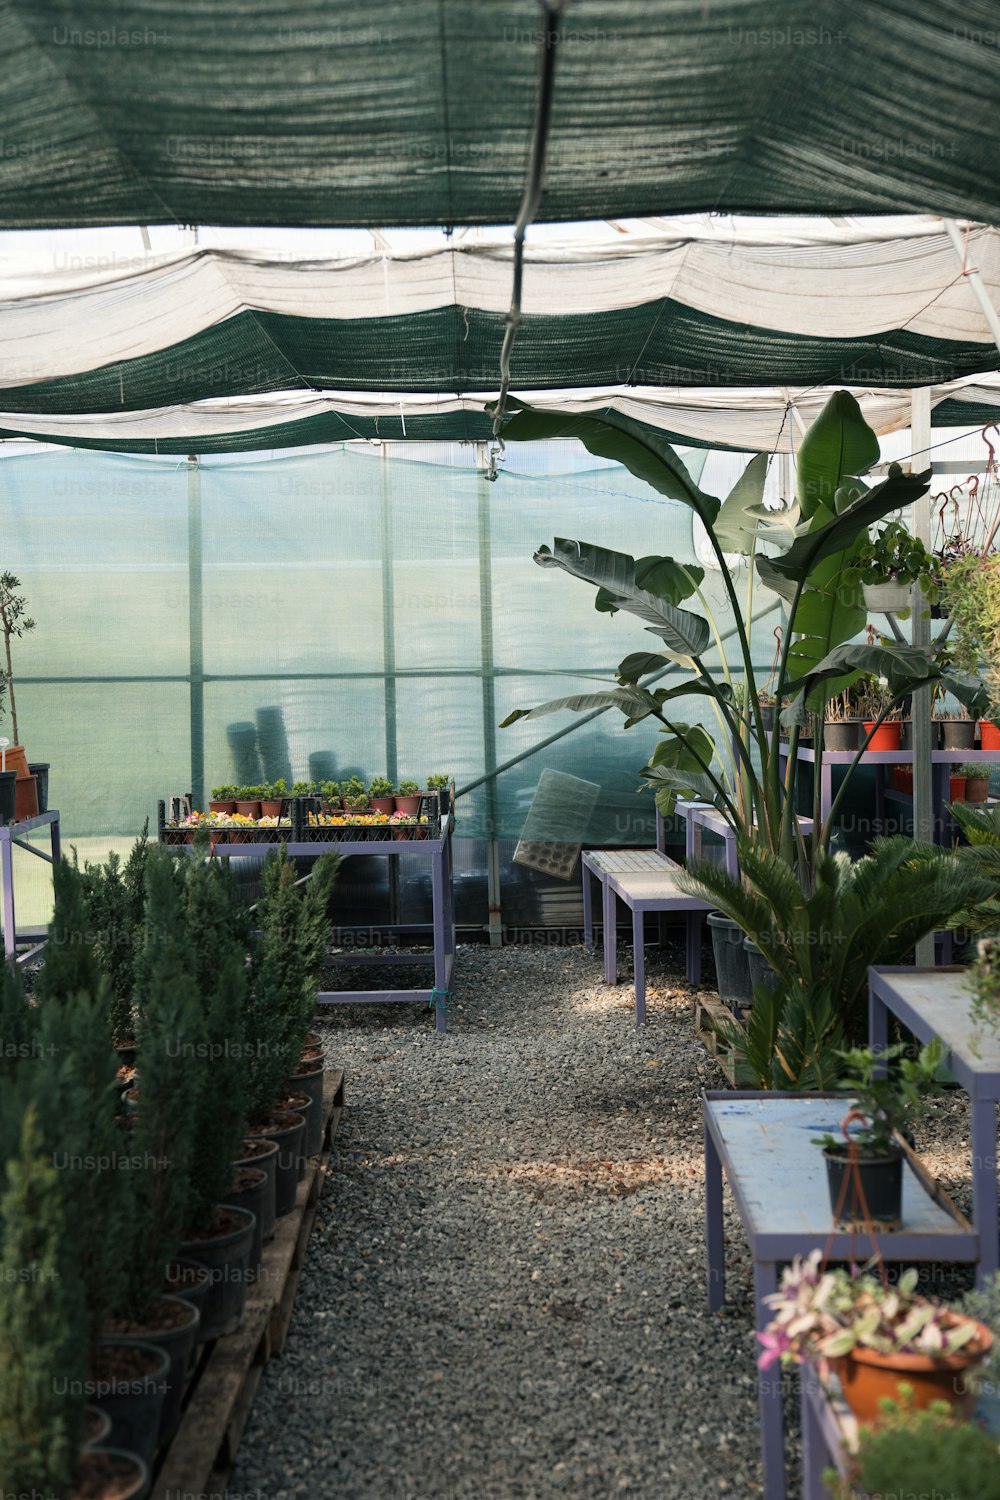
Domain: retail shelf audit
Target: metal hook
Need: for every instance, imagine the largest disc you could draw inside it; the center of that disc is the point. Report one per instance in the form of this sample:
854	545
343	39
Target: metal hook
991	462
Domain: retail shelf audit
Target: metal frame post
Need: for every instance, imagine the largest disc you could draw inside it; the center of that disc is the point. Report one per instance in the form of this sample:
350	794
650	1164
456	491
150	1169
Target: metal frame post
923	771
488	669
196	623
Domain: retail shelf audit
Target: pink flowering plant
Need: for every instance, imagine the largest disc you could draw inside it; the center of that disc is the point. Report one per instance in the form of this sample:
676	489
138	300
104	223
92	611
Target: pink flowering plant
823	1314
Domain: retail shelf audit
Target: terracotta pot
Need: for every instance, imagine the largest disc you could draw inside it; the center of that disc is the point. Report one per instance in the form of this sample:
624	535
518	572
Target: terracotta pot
248	809
886	736
223	805
977	788
408	805
867	1378
382	805
25	798
270	807
989	735
956	788
17	760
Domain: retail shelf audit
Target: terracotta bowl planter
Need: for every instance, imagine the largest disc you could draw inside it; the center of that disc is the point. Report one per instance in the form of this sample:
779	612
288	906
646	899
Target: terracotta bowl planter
866	1378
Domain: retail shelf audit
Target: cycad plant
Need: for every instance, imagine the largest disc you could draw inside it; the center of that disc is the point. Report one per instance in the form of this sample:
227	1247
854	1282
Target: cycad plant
820	943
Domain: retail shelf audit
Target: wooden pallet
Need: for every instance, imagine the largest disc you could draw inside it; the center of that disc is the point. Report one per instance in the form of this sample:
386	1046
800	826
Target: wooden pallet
221	1393
709	1015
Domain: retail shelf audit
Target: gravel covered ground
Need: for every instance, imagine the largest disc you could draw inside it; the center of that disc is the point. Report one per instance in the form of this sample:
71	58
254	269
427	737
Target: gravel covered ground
504	1295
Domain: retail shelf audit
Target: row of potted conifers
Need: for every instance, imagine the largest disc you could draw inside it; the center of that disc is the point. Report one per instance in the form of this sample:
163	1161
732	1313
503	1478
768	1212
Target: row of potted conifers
147	1181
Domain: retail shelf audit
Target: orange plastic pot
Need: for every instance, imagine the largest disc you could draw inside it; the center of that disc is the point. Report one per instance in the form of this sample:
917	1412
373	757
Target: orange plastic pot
17	760
867	1378
26	798
886	736
989	735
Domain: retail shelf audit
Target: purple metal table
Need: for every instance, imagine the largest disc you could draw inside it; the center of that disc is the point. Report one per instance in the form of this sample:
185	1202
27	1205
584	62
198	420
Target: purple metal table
11	834
645	891
764	1142
438	853
598	864
937	1002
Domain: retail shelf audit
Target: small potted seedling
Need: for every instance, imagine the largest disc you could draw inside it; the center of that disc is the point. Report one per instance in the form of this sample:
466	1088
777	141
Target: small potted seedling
381	795
408	798
865	1168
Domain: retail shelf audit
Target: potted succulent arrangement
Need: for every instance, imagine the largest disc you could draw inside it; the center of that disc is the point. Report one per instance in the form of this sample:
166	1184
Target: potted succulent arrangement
874	1336
889	564
15	623
381	793
865	1172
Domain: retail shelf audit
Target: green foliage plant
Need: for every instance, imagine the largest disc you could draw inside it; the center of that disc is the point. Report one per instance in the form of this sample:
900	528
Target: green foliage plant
380	786
921	1452
407	789
14	623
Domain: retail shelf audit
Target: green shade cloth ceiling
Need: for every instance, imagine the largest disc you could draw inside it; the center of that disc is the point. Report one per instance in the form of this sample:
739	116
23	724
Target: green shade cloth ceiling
421	111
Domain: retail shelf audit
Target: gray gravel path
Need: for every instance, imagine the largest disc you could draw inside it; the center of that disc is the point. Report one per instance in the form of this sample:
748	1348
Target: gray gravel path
504	1293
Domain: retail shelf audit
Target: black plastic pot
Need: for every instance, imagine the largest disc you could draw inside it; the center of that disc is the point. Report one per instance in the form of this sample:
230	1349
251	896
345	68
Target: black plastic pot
227	1258
310	1084
252	1198
268	1163
731	961
8	796
957	734
841	736
760	970
195	1292
767	716
105	1465
135	1405
881	1184
288	1139
40	770
100	1436
300	1104
906	734
178	1344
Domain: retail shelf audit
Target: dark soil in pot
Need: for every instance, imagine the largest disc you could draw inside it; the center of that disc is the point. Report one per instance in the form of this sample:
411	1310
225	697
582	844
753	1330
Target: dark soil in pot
130	1384
174	1329
286	1130
224	1250
263	1153
109	1474
308	1079
881	1184
732	967
249	1190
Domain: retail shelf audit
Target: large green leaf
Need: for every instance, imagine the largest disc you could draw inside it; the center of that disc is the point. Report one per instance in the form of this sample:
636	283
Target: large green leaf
643	451
903	667
675	767
839	444
629	699
735	525
827	615
812	546
638	663
684	633
669	580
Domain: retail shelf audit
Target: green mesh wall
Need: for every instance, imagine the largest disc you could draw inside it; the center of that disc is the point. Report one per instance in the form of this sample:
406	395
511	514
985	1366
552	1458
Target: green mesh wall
352	610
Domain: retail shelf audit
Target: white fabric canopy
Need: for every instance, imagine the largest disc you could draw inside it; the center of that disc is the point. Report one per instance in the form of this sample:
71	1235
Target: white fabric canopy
831	283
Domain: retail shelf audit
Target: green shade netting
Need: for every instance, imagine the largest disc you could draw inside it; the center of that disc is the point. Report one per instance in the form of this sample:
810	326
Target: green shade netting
421	111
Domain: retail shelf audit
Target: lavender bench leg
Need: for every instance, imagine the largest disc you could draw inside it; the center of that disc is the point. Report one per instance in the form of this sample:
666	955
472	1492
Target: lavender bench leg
815	1457
610	935
692	922
439	898
772	1426
588	908
984	1187
715	1245
639	964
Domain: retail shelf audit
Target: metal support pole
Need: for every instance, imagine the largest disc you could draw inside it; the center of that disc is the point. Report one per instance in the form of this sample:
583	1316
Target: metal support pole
982	296
389	656
196	657
489	715
923	774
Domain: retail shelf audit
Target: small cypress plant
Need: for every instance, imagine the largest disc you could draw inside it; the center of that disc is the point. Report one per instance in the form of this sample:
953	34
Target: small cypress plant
115	898
43	1339
216	941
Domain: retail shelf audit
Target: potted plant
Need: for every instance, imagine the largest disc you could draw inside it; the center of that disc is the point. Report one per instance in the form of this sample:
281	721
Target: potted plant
956	728
248	800
303	789
977	780
273	800
842	717
380	795
920	1451
889	564
14	622
408	799
879	719
114	896
353	793
329	792
865	1174
876	1337
440	782
223	799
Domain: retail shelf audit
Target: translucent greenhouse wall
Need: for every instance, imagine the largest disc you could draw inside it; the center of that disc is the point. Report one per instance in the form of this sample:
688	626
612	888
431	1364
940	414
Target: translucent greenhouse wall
363	609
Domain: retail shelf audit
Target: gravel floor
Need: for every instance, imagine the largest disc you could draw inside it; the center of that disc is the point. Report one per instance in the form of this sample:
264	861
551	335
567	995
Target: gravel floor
504	1295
